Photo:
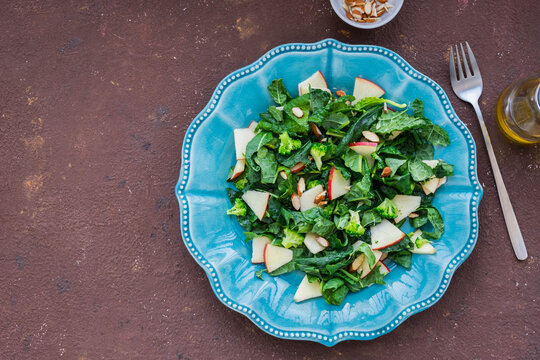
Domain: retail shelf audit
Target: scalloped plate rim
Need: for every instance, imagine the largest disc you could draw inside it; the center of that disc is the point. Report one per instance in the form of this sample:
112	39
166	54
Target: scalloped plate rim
405	312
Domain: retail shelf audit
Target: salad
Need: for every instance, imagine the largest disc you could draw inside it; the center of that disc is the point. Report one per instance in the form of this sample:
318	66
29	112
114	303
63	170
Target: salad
324	182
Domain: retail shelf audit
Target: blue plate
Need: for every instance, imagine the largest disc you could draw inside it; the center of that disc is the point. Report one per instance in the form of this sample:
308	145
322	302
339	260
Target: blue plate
216	240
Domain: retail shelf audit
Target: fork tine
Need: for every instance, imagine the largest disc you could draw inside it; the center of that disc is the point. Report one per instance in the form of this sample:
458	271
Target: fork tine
474	65
453	76
460	69
465	63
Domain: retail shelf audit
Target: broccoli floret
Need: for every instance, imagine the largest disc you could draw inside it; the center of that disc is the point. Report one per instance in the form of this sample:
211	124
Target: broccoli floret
387	209
354	227
241	184
318	150
287	144
239	208
292	239
313	183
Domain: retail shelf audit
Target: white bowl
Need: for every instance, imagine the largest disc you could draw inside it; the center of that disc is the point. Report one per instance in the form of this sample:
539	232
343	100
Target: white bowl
383	19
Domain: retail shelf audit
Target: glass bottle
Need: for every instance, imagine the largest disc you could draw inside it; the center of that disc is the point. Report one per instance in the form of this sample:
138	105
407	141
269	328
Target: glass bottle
518	111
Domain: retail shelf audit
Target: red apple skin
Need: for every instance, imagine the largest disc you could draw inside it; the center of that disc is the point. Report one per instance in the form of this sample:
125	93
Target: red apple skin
265	208
372	83
386	267
395	242
363	144
297	167
236	175
264	256
324	79
330	177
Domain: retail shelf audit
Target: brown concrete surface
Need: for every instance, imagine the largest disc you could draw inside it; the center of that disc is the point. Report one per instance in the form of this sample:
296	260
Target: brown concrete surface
95	98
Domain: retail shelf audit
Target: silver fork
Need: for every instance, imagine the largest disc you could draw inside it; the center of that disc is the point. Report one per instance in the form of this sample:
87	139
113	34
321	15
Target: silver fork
468	87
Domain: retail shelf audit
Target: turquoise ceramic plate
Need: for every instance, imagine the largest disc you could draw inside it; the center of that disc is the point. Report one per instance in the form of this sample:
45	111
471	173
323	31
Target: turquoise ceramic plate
216	241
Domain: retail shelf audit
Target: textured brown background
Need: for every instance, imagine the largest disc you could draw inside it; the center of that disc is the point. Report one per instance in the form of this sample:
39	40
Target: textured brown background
95	98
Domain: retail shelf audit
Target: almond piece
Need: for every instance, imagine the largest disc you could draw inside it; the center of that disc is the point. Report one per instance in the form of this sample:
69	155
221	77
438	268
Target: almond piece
295	200
382	1
349	16
301	186
297	112
322	241
385	108
386	172
371	136
367	8
355	265
413	215
322	203
370	20
283	174
319	198
340	93
315	129
373	10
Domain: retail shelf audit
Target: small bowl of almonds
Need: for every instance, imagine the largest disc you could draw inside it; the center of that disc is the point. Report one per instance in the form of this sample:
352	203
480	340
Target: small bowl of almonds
366	14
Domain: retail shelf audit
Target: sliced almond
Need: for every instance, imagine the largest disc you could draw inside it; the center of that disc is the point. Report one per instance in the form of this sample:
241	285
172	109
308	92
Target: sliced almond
413	215
355	265
382	1
301	186
371	136
373	9
370	20
340	93
297	112
315	129
322	241
349	16
385	108
295	200
319	198
386	172
367	8
283	174
322	203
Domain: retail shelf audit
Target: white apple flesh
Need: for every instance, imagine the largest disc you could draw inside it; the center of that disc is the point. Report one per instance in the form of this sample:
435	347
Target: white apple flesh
405	205
258	244
241	138
383	269
238	168
430	186
337	184
365	149
312	244
307	200
257	201
385	234
364	88
252	125
425	249
276	256
307	290
364	269
315	81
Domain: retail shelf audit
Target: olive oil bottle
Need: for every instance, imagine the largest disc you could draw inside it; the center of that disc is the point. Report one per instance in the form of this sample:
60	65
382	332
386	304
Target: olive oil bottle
518	111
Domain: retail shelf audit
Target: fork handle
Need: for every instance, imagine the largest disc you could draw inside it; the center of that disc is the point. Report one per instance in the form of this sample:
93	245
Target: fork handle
511	222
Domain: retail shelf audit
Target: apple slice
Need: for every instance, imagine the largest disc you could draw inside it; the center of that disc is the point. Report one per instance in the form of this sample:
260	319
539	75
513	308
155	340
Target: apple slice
425	249
405	205
430	185
316	81
364	88
383	269
299	166
442	181
258	244
307	200
337	184
257	201
385	234
364	269
238	168
276	256
431	163
365	149
241	138
252	125
307	290
312	244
